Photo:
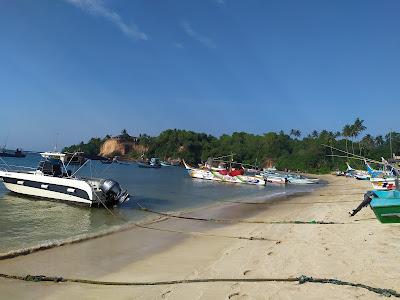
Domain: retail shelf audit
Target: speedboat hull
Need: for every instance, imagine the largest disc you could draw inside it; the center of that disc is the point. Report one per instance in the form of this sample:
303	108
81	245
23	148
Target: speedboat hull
63	189
386	206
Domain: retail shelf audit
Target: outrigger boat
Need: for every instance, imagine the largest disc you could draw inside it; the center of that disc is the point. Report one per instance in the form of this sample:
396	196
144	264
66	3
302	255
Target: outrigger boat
52	180
232	175
383	183
357	174
276	177
385	205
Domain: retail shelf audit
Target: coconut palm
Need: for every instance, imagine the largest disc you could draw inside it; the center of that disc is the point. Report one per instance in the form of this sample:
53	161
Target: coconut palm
358	127
295	133
346	133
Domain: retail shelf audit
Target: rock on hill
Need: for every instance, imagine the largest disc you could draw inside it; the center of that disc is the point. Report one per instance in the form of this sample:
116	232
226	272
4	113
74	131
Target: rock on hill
115	146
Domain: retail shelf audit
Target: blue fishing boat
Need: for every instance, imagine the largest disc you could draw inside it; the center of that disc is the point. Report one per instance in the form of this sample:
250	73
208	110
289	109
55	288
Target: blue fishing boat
386	206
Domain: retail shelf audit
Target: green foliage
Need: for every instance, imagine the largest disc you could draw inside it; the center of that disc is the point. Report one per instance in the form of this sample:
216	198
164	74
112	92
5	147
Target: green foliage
90	148
288	151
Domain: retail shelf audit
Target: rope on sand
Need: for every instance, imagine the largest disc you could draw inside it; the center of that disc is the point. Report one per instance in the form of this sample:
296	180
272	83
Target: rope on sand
250	238
301	280
235	221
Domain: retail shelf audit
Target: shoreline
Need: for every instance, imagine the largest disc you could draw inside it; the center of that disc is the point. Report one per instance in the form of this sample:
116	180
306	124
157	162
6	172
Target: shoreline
152	218
365	252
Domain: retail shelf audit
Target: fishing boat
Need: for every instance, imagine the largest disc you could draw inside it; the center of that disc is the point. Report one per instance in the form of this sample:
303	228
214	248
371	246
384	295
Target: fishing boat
231	176
53	180
388	183
300	179
154	163
357	174
17	153
386	206
273	177
282	178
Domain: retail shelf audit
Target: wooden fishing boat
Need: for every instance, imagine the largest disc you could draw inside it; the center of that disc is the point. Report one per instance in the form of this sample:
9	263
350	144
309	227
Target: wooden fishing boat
383	183
221	176
386	206
271	178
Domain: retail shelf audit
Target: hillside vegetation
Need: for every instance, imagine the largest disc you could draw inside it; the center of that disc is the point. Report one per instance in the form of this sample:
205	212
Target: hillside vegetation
286	150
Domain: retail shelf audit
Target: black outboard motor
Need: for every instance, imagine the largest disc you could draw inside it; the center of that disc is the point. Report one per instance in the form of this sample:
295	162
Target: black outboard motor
367	200
113	192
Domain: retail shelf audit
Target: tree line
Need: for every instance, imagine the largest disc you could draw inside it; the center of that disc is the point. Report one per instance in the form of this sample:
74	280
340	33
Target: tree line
290	150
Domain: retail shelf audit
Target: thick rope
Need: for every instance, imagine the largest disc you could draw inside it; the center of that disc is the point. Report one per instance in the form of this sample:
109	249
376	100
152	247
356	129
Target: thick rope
301	280
234	220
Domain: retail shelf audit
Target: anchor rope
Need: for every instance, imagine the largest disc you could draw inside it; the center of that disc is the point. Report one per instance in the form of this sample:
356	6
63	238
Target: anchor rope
168	215
300	279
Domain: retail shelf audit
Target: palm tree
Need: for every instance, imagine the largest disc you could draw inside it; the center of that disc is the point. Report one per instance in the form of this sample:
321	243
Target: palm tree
379	140
346	132
358	127
352	135
295	133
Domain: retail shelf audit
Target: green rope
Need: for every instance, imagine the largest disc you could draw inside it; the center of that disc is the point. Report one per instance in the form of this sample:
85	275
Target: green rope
301	280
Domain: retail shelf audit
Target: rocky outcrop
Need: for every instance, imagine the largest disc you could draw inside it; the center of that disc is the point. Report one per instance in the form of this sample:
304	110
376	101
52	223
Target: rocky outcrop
114	146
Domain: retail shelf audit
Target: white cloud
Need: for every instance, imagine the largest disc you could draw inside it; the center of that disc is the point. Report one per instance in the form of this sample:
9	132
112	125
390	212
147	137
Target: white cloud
206	41
178	45
97	8
220	2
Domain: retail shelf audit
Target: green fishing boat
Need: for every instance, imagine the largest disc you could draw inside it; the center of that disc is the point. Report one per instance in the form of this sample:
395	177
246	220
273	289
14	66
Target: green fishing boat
386	206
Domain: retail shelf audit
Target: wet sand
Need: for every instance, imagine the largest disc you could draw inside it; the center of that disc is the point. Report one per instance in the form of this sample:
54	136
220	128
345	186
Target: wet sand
361	250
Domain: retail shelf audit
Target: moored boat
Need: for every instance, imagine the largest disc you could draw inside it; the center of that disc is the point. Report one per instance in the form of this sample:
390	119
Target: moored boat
52	180
383	183
17	153
277	177
154	163
386	206
231	176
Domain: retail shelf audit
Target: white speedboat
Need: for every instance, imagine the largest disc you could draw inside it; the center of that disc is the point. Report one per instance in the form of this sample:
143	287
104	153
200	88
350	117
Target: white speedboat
52	180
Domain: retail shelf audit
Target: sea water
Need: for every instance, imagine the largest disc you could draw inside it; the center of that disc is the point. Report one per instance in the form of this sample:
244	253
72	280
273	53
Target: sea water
26	221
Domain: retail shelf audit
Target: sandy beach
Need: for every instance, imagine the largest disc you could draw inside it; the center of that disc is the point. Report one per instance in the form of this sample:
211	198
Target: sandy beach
361	250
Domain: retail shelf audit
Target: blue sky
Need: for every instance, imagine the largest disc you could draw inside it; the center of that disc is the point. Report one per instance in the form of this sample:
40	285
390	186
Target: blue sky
83	68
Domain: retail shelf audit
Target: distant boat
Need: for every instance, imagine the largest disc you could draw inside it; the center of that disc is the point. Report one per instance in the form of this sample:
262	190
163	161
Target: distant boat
17	153
232	176
154	163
